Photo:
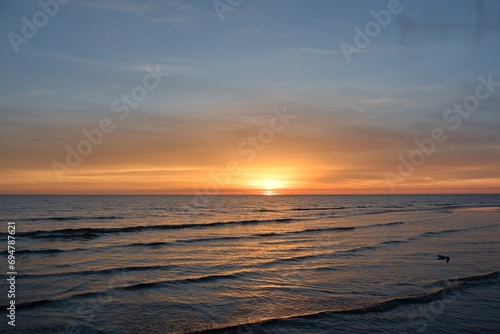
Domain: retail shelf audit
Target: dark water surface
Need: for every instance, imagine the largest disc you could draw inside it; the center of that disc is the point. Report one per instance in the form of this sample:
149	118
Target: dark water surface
255	264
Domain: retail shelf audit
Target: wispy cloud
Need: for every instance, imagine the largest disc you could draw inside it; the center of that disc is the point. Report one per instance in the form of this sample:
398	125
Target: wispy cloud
165	67
178	69
328	52
86	61
316	51
33	93
171	12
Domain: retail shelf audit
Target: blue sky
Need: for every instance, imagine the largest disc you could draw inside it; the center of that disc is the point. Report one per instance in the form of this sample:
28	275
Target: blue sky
263	54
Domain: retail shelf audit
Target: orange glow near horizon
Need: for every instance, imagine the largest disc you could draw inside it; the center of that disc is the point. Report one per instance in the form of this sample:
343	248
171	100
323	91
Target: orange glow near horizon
249	181
270	186
200	160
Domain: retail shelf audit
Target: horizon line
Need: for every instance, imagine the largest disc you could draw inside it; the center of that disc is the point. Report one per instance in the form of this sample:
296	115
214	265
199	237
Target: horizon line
239	194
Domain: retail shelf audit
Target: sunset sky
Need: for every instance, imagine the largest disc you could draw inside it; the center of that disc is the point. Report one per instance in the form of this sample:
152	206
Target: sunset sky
250	99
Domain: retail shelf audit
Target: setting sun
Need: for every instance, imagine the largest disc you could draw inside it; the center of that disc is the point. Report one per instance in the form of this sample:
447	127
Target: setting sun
269	186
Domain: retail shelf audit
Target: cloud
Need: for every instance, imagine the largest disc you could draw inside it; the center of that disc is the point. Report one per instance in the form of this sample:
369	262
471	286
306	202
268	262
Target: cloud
32	93
316	51
170	12
170	68
177	69
322	149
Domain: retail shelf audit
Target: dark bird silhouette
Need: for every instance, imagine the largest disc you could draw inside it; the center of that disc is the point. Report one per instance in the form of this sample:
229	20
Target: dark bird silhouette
441	257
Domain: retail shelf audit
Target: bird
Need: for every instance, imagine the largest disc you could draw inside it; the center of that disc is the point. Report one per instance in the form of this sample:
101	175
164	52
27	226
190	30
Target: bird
441	257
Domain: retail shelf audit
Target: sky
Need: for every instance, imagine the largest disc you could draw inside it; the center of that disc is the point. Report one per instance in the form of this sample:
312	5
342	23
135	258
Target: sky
249	97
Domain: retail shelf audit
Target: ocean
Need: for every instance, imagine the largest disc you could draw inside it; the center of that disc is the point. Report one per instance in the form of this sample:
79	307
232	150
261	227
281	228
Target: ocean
254	264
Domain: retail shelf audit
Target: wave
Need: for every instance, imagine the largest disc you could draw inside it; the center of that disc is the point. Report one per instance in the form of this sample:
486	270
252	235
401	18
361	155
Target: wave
266	235
259	235
31	305
387	224
381	224
212	239
379	307
347	228
492	277
453	284
309	230
71	250
378	212
277	234
206	278
146	244
393	242
292	259
327	268
179	241
88	232
350	251
72	218
360	249
355	250
432	233
319	209
40	251
327	229
107	271
138	286
228	238
457	284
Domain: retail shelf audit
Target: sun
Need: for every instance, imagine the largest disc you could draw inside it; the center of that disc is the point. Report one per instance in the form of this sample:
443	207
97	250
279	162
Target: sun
269	186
